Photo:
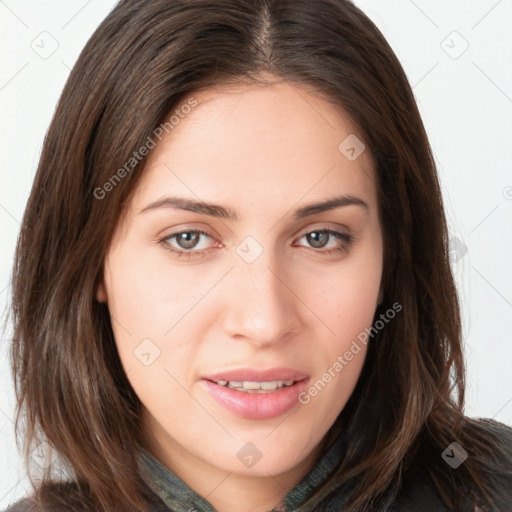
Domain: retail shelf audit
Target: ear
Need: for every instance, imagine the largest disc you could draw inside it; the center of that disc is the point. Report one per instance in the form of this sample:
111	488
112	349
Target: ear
381	297
101	294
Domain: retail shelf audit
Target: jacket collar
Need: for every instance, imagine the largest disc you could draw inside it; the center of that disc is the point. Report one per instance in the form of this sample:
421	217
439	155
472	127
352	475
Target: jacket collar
179	497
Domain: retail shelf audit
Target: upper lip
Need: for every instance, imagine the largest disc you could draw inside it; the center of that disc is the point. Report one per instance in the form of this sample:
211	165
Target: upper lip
256	375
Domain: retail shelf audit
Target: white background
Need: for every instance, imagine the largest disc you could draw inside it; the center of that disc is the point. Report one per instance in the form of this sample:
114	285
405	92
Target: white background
465	98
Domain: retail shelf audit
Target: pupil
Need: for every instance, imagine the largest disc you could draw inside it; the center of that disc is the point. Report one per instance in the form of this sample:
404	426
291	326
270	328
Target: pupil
317	238
192	239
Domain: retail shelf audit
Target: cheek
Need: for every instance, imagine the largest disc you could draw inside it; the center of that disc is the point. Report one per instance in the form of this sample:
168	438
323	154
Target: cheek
151	309
348	308
145	296
351	310
347	300
155	355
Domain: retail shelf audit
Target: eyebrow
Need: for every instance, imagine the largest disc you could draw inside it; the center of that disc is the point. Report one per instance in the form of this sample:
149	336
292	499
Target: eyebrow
216	210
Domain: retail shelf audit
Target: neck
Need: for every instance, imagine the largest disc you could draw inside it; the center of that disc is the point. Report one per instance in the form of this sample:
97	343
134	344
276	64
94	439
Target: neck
227	491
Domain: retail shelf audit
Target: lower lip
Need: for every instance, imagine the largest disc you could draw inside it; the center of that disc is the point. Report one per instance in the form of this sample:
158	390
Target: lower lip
257	406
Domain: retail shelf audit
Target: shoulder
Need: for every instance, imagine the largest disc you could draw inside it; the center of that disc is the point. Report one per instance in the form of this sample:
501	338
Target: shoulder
55	496
491	453
490	444
484	453
23	505
67	497
418	493
499	431
490	426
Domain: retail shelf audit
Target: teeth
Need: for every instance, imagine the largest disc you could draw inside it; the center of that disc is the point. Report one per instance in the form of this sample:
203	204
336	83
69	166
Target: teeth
255	387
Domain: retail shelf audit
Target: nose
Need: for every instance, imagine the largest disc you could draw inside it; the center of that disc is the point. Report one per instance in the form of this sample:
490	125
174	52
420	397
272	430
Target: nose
261	308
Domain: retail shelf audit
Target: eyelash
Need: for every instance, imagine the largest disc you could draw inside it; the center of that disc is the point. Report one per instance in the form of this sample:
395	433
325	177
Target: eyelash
344	248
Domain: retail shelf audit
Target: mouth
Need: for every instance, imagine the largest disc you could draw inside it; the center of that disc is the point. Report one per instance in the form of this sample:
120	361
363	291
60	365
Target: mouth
279	375
254	386
254	394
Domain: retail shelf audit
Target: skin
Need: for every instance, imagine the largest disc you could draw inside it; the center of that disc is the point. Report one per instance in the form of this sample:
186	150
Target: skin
262	151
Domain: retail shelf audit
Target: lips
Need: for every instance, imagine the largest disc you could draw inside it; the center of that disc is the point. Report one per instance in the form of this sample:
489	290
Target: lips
256	406
256	375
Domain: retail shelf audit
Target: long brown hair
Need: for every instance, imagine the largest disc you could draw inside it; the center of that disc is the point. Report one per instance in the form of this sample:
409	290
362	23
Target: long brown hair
140	63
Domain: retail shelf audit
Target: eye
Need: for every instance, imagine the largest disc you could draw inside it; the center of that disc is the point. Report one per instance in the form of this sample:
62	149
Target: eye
186	240
319	239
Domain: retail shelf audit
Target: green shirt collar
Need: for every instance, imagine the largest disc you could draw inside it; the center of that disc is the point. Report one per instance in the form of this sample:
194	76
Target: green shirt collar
179	497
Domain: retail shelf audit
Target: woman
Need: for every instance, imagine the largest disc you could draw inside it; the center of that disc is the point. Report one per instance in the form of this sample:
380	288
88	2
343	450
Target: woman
232	288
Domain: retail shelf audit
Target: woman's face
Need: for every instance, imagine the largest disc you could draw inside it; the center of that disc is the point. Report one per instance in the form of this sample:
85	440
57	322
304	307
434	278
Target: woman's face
274	290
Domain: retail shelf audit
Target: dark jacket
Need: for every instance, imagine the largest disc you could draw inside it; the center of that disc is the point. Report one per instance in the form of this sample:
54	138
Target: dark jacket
417	494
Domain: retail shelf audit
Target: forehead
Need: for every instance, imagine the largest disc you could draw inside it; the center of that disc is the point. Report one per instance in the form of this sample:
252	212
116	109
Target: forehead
276	142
